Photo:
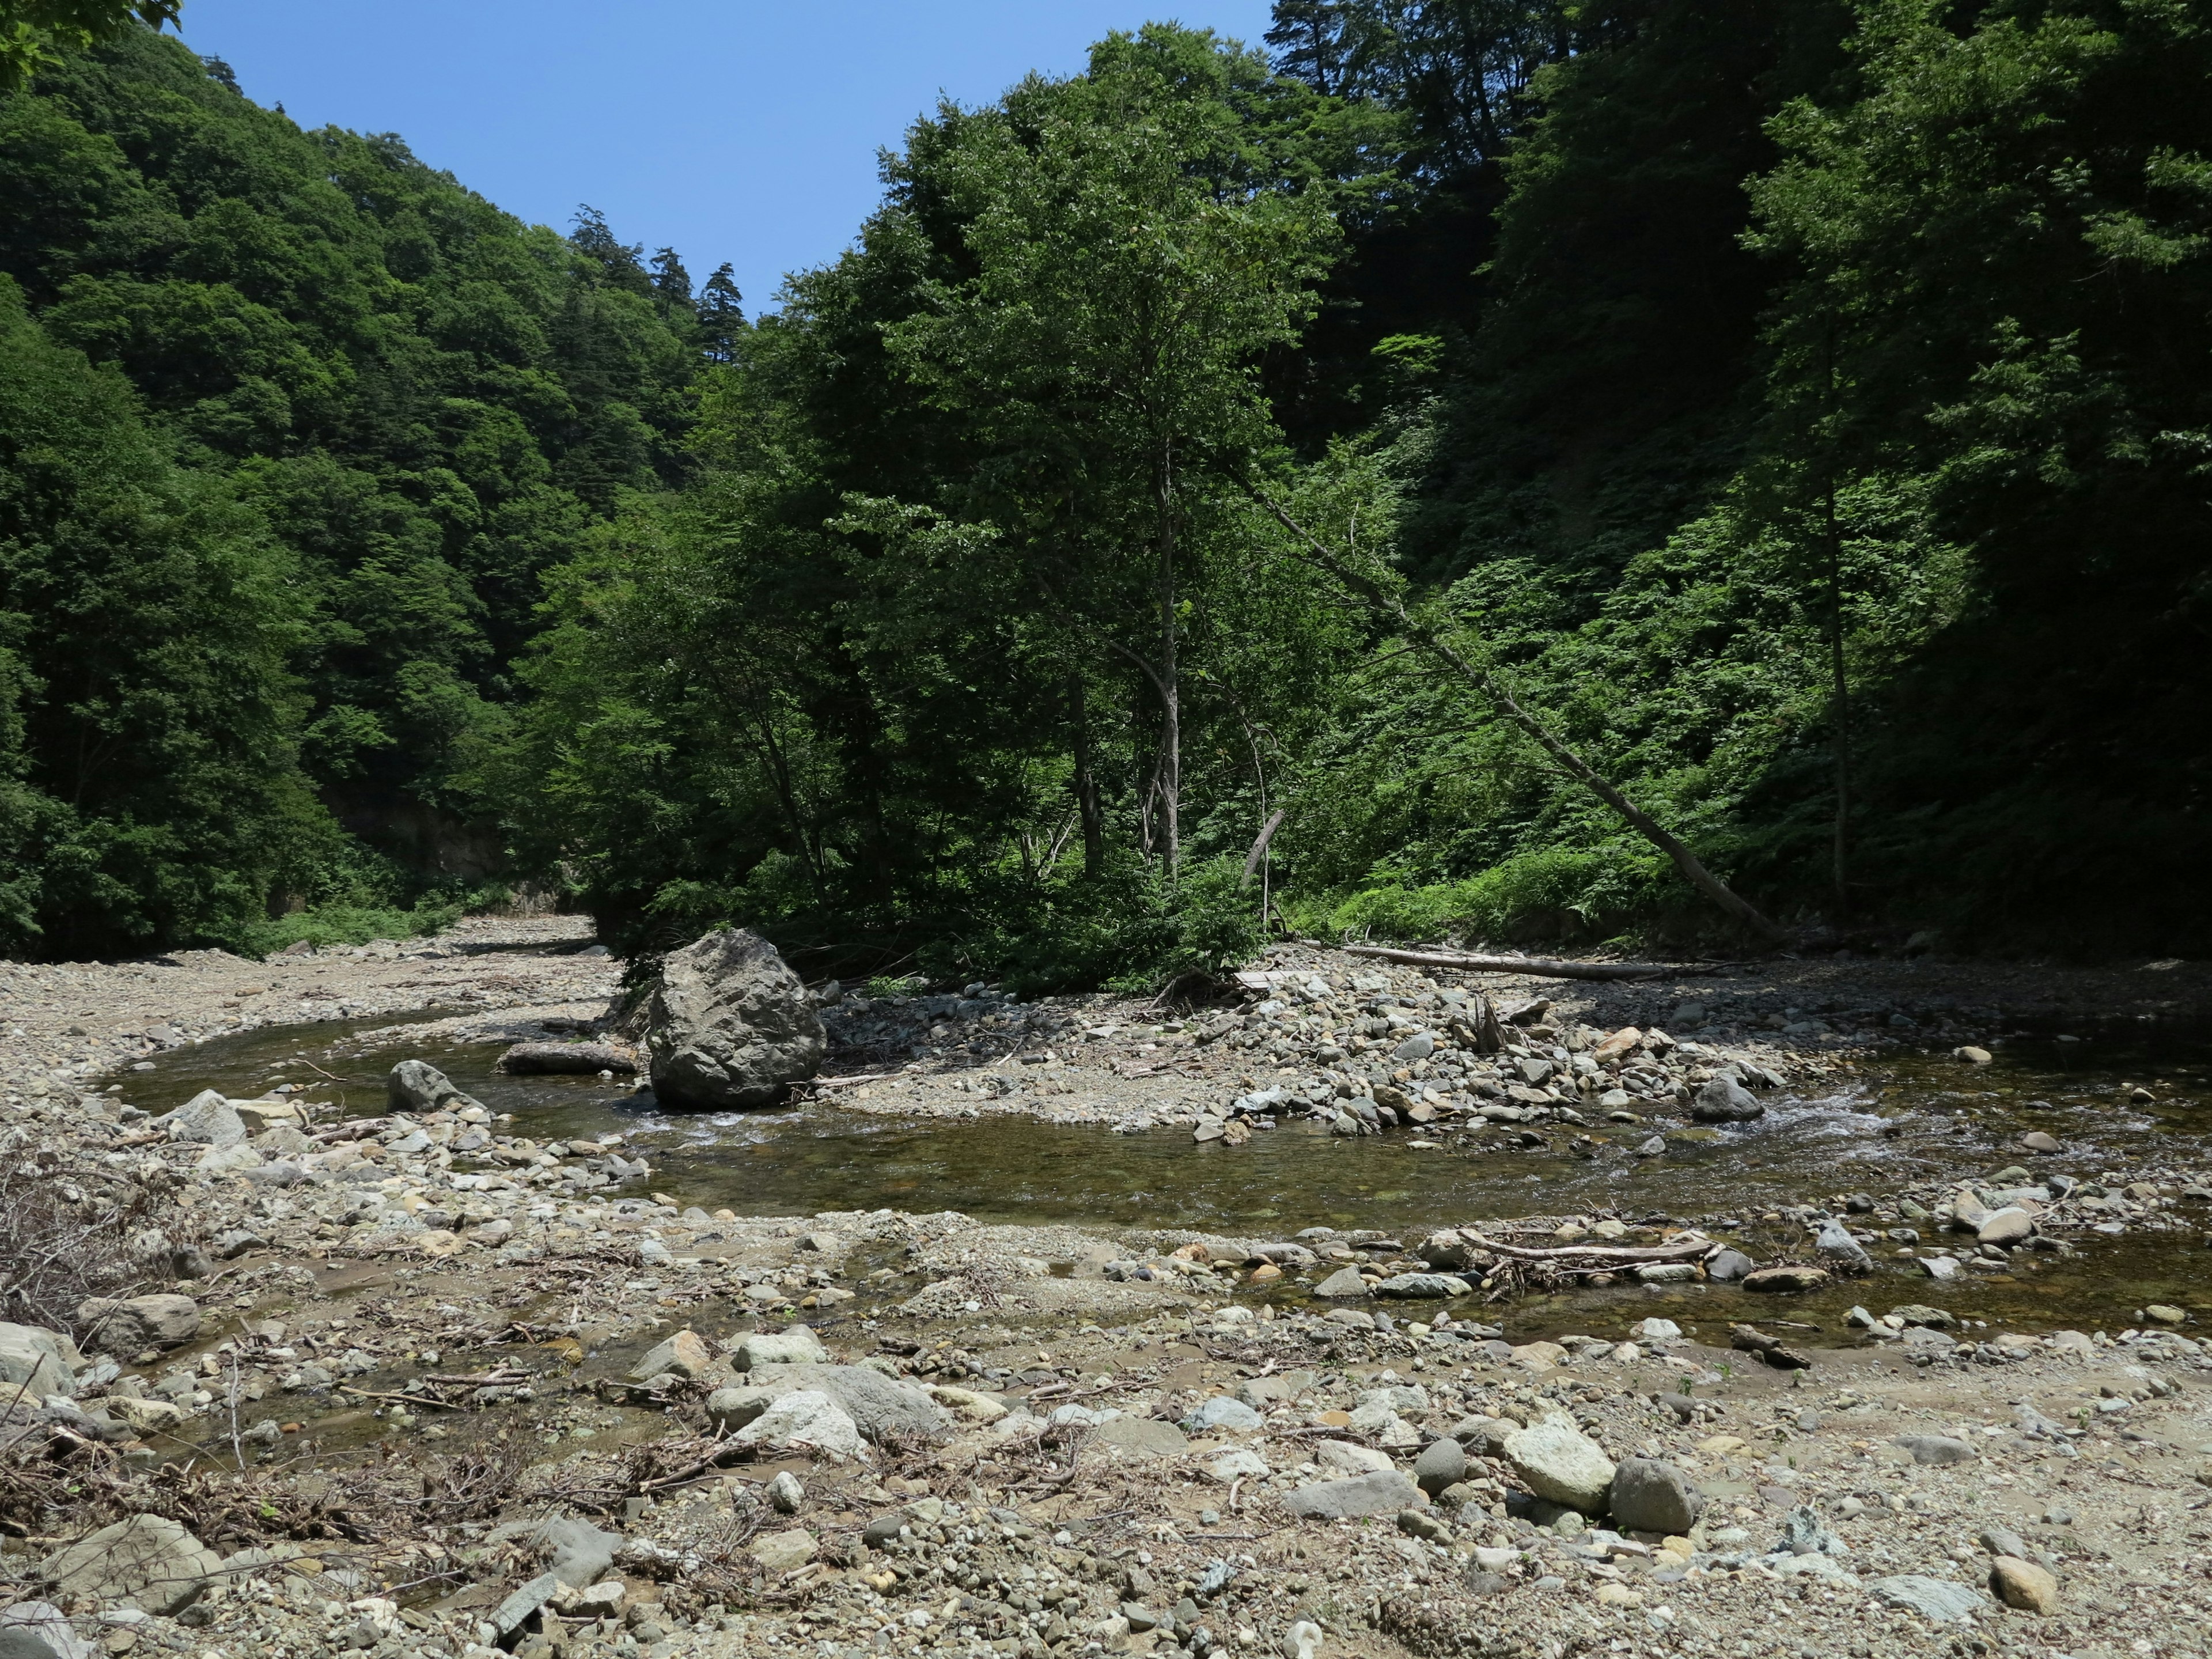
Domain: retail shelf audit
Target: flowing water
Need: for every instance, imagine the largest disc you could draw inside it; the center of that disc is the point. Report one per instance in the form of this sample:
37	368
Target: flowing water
1906	1122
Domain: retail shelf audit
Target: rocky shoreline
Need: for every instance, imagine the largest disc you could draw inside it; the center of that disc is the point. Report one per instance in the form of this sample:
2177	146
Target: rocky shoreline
411	1386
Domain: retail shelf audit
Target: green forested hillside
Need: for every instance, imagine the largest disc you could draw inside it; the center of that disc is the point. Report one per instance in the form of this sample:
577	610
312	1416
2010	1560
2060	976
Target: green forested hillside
1801	409
366	409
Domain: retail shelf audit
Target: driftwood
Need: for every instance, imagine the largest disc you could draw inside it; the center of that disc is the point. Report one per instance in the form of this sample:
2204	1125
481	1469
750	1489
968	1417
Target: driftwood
1535	967
849	1082
1688	1249
547	1059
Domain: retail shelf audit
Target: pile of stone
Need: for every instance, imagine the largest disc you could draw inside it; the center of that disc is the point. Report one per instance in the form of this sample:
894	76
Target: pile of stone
1369	1052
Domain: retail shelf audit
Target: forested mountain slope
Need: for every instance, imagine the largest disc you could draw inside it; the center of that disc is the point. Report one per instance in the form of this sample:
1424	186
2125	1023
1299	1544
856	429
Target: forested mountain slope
1226	491
300	391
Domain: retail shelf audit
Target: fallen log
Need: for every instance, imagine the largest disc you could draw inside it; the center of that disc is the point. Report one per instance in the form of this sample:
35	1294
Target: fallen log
1535	967
1688	1249
557	1059
851	1081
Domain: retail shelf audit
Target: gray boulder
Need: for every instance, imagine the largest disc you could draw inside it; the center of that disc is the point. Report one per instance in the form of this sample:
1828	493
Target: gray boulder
1939	1601
1724	1100
1727	1267
1556	1461
1345	1281
39	1630
1384	1492
808	1420
1652	1496
729	1025
155	1564
879	1408
34	1363
207	1118
1442	1463
1141	1437
797	1347
1835	1245
416	1085
139	1322
1940	1450
1222	1413
730	1409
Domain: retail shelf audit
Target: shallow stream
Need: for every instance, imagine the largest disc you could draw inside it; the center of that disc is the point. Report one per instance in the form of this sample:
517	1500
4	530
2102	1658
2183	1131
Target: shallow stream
1905	1122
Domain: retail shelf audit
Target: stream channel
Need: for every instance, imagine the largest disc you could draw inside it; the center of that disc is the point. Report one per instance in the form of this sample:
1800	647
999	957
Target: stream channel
1906	1121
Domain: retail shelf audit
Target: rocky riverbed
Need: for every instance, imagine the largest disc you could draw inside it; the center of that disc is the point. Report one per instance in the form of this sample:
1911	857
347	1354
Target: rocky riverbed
396	1376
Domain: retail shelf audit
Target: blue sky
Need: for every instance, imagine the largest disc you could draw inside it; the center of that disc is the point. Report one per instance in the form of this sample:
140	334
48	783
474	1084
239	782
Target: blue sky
744	132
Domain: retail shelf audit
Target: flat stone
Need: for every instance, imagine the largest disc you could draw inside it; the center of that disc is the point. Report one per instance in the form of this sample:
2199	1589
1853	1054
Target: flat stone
783	1552
2036	1141
1940	1450
506	1618
1556	1461
1386	1492
1222	1413
795	1346
1344	1459
1939	1601
144	1416
1650	1495
1238	1465
2010	1226
1141	1437
153	1564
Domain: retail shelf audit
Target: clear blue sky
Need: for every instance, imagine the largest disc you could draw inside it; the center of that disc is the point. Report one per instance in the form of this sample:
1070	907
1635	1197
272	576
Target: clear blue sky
745	131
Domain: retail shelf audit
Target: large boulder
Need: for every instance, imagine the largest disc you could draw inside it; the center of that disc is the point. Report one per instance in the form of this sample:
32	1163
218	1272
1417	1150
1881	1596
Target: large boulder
207	1118
139	1322
808	1420
797	1347
155	1564
729	1025
881	1408
1384	1493
34	1363
1724	1100
416	1085
1652	1496
1556	1461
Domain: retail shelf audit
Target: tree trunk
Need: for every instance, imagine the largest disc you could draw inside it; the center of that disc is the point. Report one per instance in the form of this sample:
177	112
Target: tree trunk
1840	697
1387	605
1088	806
1170	685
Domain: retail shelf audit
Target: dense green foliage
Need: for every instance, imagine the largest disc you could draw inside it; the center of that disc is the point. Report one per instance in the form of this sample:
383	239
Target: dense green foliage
1800	405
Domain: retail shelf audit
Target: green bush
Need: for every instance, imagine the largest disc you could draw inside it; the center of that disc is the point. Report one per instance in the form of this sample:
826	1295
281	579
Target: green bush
326	925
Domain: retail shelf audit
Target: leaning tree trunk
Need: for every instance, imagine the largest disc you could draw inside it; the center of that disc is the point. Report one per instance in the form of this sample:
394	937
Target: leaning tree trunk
1387	605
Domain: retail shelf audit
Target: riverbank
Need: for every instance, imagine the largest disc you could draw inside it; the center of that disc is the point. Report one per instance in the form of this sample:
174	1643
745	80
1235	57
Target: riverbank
414	1337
